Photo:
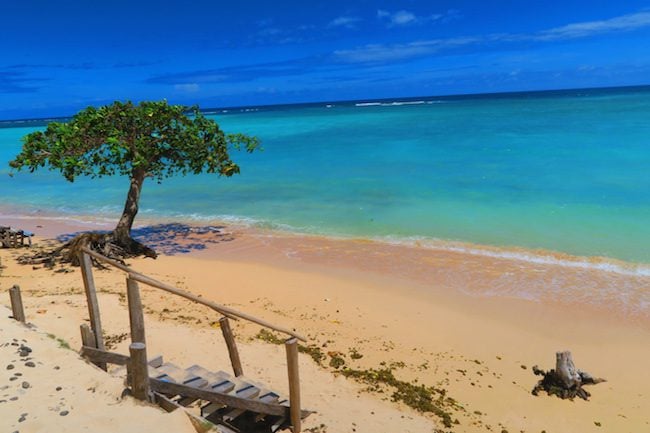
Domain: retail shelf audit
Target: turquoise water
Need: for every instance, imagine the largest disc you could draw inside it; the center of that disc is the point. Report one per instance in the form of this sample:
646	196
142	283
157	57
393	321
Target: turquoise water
566	171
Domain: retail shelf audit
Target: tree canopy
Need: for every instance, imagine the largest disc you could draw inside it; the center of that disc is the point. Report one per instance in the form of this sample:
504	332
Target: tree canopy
155	137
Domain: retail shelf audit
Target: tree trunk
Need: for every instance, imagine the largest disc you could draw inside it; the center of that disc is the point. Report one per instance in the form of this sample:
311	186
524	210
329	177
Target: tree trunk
122	233
116	245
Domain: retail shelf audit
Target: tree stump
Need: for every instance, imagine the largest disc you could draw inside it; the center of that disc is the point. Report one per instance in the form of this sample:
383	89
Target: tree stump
565	381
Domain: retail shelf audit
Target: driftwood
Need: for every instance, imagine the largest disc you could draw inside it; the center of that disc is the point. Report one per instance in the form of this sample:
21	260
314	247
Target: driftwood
565	381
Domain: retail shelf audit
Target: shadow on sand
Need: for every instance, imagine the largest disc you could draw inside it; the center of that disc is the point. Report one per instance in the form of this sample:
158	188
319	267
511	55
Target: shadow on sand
174	238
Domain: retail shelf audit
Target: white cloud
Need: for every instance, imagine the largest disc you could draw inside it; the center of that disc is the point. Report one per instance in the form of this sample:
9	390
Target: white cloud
406	18
187	88
379	53
382	13
399	18
347	22
589	28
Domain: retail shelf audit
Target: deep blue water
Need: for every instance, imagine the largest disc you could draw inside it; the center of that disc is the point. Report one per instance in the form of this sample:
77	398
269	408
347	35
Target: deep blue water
564	171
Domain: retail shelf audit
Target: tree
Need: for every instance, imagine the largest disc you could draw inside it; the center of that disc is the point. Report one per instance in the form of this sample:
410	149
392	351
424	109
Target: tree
149	140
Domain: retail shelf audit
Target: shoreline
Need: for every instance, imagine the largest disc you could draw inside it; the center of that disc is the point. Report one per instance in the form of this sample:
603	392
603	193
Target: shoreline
39	219
607	287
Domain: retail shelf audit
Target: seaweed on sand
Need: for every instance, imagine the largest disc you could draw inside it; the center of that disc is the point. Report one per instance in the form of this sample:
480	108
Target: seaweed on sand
426	399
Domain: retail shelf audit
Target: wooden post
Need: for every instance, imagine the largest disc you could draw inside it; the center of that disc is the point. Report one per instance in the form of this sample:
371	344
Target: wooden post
294	383
17	304
136	316
87	336
139	371
232	346
91	299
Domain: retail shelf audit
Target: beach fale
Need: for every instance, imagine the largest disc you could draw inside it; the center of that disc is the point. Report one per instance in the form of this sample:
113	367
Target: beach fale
10	238
235	403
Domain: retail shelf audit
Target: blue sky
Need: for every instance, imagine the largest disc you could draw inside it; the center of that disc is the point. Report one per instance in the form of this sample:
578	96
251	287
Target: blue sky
59	56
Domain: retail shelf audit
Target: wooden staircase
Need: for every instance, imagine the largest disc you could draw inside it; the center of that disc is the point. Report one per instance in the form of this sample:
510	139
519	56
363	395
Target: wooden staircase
233	402
248	417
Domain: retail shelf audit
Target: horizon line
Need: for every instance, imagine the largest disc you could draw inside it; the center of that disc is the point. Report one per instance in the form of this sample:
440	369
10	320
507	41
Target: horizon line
401	98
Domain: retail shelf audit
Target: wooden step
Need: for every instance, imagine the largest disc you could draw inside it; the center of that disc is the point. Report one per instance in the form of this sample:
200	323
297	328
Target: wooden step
180	376
269	397
278	422
222	386
220	376
171	373
207	374
154	362
217	382
247	391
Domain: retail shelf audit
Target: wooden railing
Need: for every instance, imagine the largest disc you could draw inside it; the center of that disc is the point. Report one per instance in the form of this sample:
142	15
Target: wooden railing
93	340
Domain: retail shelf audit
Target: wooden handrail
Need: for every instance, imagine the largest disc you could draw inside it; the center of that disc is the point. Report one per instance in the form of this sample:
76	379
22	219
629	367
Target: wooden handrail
226	311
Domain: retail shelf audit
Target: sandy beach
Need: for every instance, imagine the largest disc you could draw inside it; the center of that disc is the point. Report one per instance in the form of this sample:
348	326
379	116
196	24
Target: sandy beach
442	319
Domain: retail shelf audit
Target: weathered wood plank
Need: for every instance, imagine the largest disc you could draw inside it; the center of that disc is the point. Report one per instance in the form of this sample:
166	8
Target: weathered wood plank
248	391
224	386
196	382
210	408
167	404
156	361
211	396
232	346
91	299
98	355
179	375
207	374
269	397
17	309
294	383
136	315
139	371
87	336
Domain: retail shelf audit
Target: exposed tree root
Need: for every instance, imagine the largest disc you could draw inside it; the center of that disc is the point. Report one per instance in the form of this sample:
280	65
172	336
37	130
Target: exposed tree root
103	243
565	381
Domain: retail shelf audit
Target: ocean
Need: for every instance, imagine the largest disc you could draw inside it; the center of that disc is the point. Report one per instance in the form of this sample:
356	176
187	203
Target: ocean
565	172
